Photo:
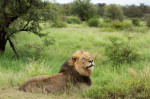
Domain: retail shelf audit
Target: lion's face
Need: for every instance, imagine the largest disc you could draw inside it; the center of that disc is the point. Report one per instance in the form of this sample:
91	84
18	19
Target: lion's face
83	63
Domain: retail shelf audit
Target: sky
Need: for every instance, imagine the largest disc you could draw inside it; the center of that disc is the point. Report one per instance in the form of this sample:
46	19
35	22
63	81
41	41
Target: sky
120	2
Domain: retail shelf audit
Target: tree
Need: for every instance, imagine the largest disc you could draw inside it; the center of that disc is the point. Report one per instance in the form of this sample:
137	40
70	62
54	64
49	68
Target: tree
84	9
132	11
113	12
22	15
101	7
65	9
144	8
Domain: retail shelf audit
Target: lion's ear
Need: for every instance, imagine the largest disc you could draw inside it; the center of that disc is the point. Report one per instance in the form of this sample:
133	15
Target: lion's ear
81	51
74	58
76	55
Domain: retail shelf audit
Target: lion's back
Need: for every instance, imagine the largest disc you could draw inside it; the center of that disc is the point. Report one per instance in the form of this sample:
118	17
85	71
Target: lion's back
44	83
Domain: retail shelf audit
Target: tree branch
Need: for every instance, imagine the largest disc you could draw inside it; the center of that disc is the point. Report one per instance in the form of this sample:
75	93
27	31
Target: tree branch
26	25
23	29
37	33
12	46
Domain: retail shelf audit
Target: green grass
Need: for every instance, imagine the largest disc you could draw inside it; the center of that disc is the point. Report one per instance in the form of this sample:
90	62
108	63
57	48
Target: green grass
107	81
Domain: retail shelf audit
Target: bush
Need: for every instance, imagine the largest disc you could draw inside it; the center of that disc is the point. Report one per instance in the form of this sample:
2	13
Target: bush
119	51
48	41
136	22
59	24
84	9
120	25
74	20
148	21
113	12
110	26
32	50
107	20
105	24
119	89
93	22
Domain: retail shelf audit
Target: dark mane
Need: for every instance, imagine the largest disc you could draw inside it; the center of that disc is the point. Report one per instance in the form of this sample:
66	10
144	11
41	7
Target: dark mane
65	67
68	68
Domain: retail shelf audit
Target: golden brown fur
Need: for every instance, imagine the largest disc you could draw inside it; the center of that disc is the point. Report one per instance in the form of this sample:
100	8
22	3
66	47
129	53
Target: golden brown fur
74	71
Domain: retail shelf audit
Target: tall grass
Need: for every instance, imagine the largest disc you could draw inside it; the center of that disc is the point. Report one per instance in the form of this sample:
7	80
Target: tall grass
107	81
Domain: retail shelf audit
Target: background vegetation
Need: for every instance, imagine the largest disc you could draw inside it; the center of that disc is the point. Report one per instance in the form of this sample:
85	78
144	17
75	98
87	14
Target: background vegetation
119	44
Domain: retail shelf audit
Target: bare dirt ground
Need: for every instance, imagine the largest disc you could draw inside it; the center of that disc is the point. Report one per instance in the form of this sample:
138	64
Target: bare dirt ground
14	93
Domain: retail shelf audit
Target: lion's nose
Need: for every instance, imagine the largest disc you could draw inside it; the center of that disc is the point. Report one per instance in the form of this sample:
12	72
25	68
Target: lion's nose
91	61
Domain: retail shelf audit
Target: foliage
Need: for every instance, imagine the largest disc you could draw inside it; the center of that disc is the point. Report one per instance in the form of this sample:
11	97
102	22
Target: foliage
93	22
119	51
107	20
73	20
48	41
32	50
133	11
65	9
84	9
120	25
113	12
30	15
27	14
105	24
59	24
111	26
136	22
101	7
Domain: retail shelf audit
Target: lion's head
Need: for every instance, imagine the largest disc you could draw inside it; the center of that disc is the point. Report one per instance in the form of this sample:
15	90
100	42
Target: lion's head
83	63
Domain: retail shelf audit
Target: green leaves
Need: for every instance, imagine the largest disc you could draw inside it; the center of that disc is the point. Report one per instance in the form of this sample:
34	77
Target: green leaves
84	9
26	15
120	51
114	12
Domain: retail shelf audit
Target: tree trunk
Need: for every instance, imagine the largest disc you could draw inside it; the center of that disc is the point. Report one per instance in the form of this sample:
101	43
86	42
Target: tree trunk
3	41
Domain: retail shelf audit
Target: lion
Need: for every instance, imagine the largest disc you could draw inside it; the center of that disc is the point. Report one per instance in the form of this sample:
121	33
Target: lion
76	71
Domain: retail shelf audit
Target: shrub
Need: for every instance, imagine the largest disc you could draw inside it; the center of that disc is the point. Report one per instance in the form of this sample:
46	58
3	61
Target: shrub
59	24
107	20
113	12
93	22
136	22
105	24
32	50
119	51
120	25
74	20
148	21
48	41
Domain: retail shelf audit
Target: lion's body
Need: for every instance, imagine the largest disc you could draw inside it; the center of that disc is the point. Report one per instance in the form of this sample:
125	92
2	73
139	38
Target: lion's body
71	73
45	83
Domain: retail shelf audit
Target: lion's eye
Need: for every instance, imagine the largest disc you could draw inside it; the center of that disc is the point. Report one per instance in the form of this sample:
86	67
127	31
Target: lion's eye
83	59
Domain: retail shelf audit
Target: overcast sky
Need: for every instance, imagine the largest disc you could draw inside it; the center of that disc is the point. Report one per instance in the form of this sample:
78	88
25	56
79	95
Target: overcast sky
121	2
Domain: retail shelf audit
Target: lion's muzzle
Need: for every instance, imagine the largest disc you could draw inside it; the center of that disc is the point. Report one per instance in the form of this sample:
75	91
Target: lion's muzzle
91	64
